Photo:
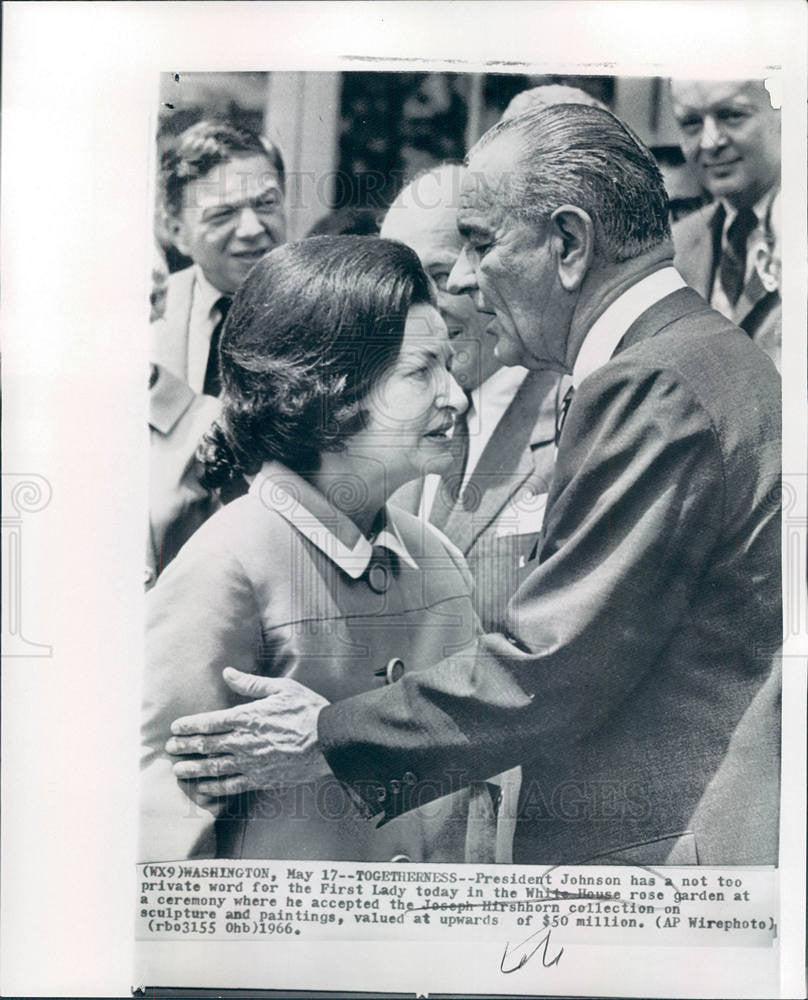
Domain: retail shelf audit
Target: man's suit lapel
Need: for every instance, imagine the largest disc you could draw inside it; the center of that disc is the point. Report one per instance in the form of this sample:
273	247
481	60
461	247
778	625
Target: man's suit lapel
754	303
508	459
698	241
408	496
170	334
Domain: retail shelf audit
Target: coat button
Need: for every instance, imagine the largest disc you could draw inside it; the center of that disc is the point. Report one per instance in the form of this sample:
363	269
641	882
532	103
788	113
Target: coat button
149	576
409	778
401	857
394	670
379	577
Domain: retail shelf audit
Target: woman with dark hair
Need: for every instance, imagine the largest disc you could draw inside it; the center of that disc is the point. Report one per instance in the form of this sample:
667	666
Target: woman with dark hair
336	391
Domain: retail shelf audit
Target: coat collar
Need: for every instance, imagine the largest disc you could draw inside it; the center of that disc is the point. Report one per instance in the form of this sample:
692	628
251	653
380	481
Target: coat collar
680	303
169	398
609	328
317	519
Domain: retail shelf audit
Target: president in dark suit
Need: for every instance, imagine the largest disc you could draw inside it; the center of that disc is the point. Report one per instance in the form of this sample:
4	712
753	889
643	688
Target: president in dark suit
647	621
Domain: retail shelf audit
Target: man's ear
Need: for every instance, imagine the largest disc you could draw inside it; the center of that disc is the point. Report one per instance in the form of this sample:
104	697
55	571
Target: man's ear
175	228
573	238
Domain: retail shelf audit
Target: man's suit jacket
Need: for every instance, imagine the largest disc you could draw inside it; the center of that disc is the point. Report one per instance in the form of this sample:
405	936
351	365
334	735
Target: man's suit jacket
697	240
737	820
170	333
178	502
641	632
497	521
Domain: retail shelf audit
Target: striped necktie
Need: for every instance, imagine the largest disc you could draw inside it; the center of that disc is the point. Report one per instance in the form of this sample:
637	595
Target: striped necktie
732	272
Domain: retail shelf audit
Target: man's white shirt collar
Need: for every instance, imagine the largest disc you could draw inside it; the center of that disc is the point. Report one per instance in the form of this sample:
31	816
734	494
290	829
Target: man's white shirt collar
612	325
326	527
761	209
204	291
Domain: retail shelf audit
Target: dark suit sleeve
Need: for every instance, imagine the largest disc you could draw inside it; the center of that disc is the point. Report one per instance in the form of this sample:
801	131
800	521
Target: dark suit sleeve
633	514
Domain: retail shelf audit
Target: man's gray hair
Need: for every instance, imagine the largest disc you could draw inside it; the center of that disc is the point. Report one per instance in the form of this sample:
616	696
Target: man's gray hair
572	154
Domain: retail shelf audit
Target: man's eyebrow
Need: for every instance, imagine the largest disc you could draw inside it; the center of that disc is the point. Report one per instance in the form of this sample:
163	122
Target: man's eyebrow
221	206
271	187
470	230
736	96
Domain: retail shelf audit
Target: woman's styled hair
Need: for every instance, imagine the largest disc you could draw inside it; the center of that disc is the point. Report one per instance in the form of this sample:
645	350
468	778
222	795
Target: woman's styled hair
310	331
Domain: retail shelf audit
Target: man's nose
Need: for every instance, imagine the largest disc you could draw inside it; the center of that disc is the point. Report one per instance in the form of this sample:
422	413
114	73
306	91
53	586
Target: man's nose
249	225
712	135
462	277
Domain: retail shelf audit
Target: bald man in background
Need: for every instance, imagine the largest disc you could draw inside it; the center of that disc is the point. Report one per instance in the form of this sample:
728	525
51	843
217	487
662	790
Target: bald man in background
490	504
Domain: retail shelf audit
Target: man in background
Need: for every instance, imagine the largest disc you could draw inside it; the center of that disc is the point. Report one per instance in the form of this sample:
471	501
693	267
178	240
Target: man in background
547	94
730	134
224	204
490	503
178	502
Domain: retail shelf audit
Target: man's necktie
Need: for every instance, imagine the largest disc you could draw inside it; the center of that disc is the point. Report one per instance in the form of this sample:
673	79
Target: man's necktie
213	381
561	413
733	257
451	481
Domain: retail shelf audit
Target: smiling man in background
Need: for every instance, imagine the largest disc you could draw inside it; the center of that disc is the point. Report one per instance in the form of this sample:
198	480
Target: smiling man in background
224	205
490	503
730	134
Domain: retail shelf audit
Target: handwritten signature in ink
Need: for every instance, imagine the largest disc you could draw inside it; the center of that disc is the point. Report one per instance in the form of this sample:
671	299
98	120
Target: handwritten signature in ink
525	950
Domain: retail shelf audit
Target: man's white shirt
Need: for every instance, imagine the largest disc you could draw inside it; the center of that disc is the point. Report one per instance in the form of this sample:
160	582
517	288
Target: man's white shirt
761	208
202	320
612	325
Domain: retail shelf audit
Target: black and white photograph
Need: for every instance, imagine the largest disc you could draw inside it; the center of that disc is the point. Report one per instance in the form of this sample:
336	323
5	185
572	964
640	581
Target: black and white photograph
461	420
559	610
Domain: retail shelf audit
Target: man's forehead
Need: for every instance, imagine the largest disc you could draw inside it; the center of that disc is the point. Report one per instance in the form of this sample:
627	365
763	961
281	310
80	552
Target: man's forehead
235	179
704	94
427	229
489	172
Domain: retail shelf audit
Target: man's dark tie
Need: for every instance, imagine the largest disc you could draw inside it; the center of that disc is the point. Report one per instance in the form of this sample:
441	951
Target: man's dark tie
213	380
733	257
561	413
451	481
